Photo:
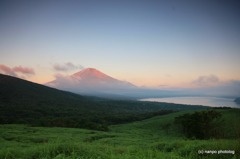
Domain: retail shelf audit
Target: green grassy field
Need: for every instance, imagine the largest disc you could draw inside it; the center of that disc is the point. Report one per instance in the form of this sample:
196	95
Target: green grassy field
145	139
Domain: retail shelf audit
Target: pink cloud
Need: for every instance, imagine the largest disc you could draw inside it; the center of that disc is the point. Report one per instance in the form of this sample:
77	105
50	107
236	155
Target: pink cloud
24	70
18	71
7	70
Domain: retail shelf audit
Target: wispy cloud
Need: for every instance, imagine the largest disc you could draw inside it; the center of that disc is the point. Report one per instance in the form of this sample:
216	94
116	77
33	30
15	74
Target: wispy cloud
212	85
24	70
62	81
17	71
67	67
209	80
7	70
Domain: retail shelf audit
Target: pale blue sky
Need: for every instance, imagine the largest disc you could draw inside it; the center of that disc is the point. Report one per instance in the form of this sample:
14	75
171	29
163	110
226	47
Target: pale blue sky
147	42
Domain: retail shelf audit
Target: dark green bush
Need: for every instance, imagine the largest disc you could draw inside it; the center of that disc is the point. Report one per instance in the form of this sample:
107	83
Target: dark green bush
200	125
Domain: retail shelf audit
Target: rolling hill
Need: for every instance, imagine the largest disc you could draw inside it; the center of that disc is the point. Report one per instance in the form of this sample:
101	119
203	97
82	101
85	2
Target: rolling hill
149	139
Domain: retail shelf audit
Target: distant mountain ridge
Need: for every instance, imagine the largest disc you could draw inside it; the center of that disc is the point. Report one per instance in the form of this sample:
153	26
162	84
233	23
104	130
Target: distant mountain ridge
91	81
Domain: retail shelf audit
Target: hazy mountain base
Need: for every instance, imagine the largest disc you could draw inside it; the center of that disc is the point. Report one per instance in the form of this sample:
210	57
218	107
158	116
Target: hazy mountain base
139	140
93	82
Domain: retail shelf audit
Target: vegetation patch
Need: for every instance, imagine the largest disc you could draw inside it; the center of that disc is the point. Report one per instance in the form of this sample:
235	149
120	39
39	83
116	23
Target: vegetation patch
98	137
39	140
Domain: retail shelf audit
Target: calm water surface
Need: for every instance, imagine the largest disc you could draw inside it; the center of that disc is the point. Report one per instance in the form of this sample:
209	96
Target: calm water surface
206	101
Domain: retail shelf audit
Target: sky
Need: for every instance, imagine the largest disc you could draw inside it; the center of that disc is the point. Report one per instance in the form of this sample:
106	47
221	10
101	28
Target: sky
150	43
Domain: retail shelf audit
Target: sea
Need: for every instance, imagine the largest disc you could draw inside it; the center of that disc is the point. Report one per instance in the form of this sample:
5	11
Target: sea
205	101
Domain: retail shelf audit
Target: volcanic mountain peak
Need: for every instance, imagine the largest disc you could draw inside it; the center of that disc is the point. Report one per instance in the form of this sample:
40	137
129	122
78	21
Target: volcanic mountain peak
91	73
91	81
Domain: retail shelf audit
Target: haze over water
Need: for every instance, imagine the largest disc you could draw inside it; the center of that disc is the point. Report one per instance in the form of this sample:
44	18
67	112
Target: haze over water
205	101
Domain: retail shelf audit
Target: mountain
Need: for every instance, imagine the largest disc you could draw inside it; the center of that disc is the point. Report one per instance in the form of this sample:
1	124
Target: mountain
92	78
91	81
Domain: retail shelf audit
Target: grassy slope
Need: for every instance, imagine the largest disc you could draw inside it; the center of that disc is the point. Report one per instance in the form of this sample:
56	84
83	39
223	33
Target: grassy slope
144	139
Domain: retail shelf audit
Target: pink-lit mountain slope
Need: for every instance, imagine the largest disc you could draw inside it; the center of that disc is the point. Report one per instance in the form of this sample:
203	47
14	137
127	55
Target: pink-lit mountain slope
91	81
